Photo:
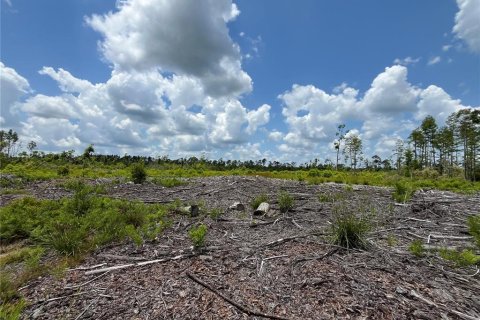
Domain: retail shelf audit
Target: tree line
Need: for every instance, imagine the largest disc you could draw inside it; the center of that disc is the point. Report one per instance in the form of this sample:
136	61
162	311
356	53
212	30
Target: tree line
444	149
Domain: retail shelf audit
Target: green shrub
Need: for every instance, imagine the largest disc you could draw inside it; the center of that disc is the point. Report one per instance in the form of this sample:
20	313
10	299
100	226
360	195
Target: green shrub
403	192
8	290
53	224
285	201
258	199
66	234
81	201
197	235
63	171
138	173
11	311
473	223
215	213
416	248
349	230
461	259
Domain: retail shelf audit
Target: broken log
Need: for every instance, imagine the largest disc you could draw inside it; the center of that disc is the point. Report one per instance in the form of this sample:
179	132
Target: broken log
262	209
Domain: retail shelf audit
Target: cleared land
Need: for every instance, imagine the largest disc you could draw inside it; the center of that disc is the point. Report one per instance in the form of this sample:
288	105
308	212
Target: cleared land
281	265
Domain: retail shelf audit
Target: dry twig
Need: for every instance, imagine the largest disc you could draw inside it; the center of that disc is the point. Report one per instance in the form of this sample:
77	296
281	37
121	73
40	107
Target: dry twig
227	299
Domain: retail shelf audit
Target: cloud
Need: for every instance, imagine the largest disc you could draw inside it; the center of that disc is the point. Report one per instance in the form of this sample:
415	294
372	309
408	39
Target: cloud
406	61
390	92
446	47
434	60
186	37
435	101
12	88
275	135
391	108
50	107
467	23
257	118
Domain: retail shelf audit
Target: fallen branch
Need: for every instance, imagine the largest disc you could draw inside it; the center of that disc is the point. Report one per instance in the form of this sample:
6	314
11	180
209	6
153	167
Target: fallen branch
85	283
413	293
325	255
138	264
88	268
233	303
85	310
439	236
463	315
117	257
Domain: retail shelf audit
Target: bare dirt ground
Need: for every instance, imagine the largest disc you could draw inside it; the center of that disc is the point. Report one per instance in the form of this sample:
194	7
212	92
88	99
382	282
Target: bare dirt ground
280	265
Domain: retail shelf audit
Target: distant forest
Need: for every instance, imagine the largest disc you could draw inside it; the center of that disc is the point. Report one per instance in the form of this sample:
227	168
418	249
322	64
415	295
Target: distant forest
447	149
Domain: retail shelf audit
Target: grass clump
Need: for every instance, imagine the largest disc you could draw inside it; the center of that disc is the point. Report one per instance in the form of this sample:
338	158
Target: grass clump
285	201
462	258
197	235
416	248
138	173
331	197
258	199
403	192
473	223
215	213
349	230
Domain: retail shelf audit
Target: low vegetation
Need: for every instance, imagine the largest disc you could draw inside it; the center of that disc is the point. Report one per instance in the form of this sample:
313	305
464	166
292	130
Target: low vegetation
416	248
349	229
257	200
285	201
473	223
138	173
197	235
462	258
402	192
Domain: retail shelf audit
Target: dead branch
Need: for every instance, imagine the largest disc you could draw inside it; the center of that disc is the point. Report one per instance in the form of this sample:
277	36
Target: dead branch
85	310
117	257
85	283
139	264
227	299
414	294
439	236
88	268
463	315
320	257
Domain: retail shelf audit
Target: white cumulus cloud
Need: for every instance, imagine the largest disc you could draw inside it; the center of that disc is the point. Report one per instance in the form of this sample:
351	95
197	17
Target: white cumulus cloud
467	23
187	37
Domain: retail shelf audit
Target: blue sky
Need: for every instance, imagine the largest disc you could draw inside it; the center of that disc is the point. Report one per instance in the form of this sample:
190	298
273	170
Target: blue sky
241	79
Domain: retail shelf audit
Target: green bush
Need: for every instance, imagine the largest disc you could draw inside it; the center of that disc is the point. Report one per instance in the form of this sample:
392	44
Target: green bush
349	230
461	259
215	213
473	223
416	248
138	173
403	192
63	171
197	235
285	201
257	200
53	224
